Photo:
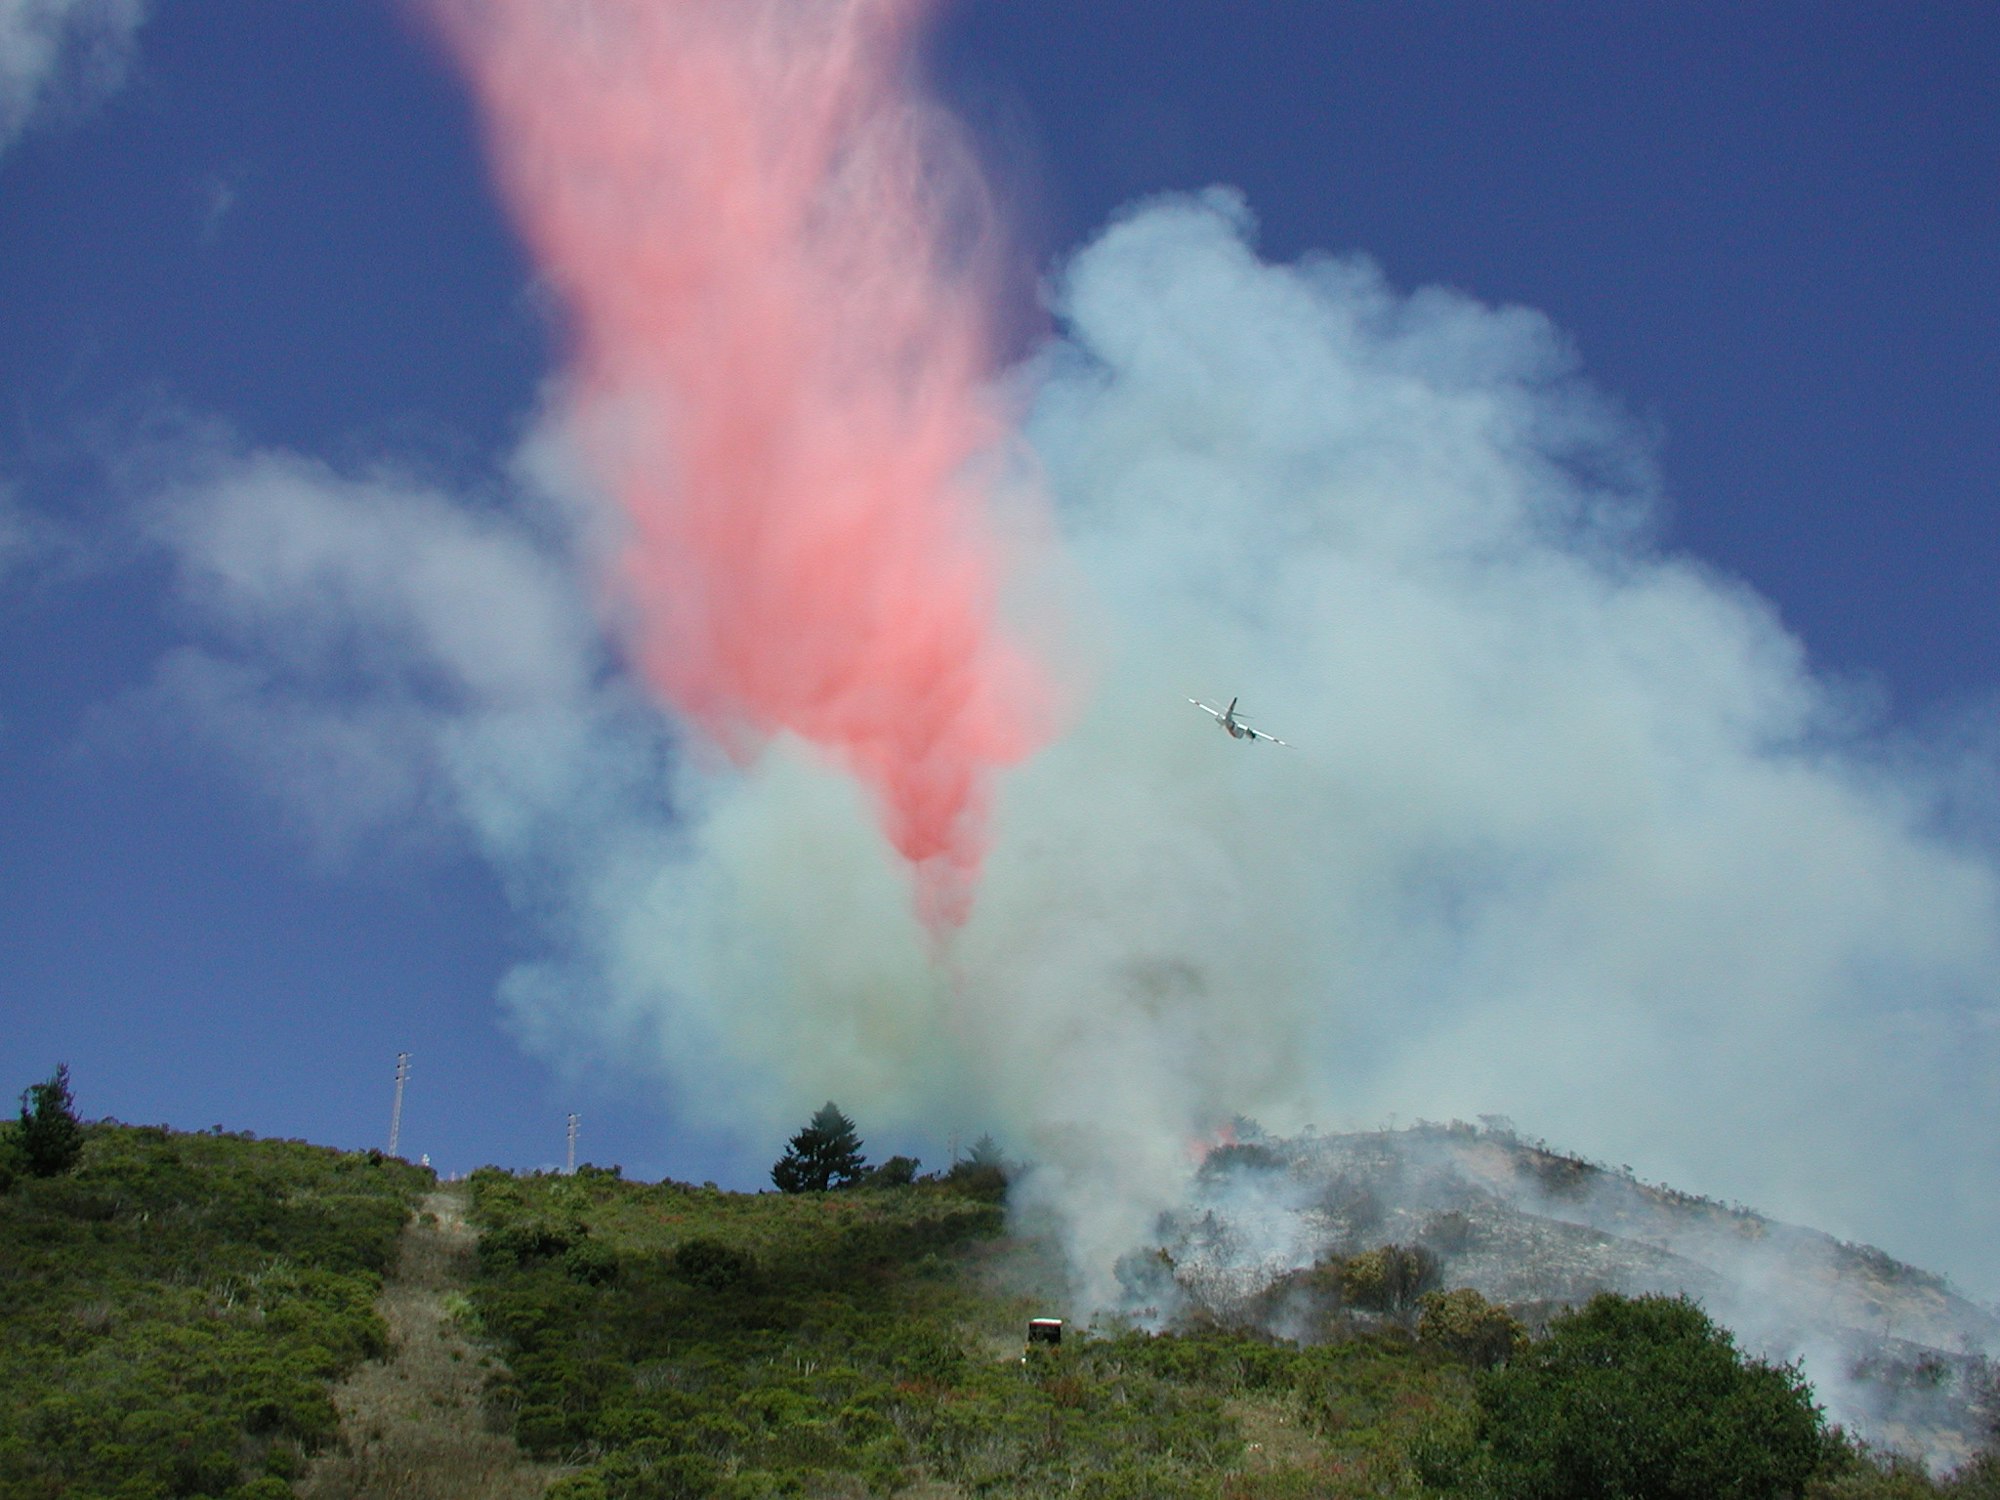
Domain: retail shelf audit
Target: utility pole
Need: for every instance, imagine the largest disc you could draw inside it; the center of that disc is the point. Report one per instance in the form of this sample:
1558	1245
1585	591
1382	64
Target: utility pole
570	1168
396	1112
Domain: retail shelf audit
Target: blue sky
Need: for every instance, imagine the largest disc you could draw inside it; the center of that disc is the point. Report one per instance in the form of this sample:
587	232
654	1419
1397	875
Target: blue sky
1768	234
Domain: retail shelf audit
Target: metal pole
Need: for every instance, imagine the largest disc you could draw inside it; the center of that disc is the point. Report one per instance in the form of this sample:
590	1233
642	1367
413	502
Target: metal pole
396	1112
570	1167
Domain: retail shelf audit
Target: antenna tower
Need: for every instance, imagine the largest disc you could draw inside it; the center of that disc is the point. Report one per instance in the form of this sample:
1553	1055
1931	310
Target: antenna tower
396	1111
570	1168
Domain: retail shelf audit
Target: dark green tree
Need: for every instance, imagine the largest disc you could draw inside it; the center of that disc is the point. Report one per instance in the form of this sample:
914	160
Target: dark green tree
826	1154
983	1174
1646	1399
986	1153
51	1138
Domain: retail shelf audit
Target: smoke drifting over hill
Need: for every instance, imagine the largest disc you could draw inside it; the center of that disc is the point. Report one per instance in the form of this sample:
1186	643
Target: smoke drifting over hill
1572	833
1272	1233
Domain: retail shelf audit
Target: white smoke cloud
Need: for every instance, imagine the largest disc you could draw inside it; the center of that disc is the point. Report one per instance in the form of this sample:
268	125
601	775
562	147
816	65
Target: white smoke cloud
61	56
1572	832
395	668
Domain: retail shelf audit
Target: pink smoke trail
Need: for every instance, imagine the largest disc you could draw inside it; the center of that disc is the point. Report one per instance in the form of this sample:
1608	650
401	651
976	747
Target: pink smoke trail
778	303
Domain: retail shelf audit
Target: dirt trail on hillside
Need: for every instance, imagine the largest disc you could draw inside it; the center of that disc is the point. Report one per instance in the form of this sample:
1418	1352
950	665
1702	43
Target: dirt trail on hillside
412	1427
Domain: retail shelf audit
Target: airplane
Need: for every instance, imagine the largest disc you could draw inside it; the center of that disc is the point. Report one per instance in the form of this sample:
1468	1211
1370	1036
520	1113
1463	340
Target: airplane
1237	728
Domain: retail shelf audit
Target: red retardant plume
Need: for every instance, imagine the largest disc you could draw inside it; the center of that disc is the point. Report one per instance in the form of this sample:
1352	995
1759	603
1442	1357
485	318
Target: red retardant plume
775	275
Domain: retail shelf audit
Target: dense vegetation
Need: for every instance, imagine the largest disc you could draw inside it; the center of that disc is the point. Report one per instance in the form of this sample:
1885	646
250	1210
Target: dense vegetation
174	1307
678	1341
1640	1399
681	1341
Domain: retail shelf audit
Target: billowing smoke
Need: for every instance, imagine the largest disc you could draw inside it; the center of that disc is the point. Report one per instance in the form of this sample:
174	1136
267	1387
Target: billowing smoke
1572	832
58	55
775	263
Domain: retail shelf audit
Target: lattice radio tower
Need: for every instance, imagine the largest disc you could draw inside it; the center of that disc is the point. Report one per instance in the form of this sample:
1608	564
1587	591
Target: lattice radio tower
396	1110
569	1168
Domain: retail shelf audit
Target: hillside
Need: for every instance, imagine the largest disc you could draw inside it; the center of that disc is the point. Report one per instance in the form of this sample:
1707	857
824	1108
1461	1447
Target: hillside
870	1342
1898	1355
175	1308
212	1315
415	1425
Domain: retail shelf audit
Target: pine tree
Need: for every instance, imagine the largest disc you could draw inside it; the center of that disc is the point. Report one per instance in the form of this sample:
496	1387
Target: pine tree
50	1137
983	1174
826	1154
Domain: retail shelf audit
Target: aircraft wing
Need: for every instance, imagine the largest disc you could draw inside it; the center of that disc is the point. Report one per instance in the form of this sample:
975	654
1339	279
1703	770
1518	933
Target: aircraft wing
1258	734
1213	713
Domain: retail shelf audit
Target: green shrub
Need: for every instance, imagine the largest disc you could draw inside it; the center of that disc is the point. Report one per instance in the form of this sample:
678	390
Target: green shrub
1646	1399
712	1265
923	1353
1855	1471
545	1428
1980	1478
1389	1279
527	1242
1470	1327
643	1476
589	1262
897	1171
175	1307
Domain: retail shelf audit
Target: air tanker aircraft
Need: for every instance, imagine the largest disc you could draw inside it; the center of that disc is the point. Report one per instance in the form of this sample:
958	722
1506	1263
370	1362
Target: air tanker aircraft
1238	729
